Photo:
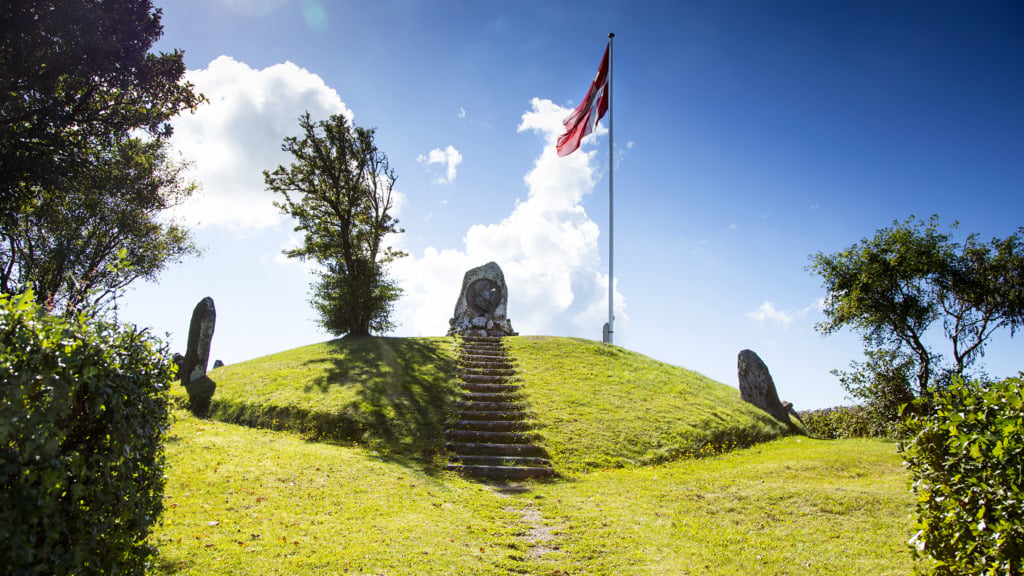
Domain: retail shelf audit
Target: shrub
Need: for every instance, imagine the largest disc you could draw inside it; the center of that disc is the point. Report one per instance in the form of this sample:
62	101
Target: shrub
843	422
83	414
966	458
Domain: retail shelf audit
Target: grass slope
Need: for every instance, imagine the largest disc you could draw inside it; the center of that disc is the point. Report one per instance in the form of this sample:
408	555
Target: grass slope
391	394
244	501
594	405
604	406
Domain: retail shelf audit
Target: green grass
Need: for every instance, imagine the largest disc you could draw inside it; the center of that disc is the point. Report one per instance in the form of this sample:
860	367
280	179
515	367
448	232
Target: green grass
791	506
244	501
603	406
595	406
657	475
392	394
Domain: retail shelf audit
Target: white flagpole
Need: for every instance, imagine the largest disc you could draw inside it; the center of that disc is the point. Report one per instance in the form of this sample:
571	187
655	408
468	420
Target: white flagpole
611	202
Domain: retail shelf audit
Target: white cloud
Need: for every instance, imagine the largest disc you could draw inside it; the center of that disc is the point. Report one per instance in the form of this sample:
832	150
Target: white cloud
547	247
238	134
767	312
449	157
462	113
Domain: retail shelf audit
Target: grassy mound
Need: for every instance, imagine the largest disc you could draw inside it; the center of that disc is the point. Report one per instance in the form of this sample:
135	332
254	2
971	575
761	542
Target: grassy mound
595	406
603	406
390	394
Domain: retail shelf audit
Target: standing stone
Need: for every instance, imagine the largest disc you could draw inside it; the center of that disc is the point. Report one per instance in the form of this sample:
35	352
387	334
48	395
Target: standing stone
200	334
757	386
481	308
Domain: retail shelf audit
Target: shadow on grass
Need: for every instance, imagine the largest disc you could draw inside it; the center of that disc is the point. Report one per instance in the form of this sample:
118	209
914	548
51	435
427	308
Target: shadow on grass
405	390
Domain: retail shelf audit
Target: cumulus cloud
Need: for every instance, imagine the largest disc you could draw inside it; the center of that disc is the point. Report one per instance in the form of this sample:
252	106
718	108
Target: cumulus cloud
238	134
547	246
450	158
768	313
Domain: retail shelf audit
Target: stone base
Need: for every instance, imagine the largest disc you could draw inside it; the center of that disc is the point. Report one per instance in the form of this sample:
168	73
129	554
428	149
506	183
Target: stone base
481	326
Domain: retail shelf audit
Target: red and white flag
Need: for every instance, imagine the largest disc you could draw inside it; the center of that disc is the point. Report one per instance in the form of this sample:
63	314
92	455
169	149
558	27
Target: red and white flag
584	118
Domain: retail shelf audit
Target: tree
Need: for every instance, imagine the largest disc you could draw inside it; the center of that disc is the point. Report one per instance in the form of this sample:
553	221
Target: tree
84	165
894	287
339	188
99	232
77	75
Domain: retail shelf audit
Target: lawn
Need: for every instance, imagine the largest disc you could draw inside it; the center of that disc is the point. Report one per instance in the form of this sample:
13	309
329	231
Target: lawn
246	501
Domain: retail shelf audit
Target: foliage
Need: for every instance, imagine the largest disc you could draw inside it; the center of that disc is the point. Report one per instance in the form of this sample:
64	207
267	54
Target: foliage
966	459
882	383
83	415
894	287
77	77
339	189
100	231
256	501
844	422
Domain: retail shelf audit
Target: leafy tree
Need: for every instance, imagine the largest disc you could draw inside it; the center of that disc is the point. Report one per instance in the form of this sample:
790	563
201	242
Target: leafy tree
101	231
339	188
84	168
77	75
894	287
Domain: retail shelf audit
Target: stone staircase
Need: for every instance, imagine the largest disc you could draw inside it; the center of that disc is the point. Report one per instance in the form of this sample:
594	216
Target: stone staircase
489	431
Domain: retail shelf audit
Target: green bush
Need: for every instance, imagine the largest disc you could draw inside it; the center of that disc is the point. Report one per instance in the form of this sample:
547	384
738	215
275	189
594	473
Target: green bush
843	422
83	414
966	458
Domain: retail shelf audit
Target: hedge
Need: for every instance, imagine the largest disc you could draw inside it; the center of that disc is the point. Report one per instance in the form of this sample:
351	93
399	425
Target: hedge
83	416
966	459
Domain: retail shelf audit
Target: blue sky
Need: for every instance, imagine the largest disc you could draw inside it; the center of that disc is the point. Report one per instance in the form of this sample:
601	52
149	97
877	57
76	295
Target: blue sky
748	136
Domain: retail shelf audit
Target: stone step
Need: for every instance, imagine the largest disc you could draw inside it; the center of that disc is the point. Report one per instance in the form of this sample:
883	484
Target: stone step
503	461
482	338
485	368
482	436
488	347
487	397
466	425
502	472
489	415
485	378
495	449
499	406
489	388
483	354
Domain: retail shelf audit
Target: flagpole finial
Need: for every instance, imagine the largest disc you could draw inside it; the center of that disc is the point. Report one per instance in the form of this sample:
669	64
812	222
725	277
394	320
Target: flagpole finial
611	34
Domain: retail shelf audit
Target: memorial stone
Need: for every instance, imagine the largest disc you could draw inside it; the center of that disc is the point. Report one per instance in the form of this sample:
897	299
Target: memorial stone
481	307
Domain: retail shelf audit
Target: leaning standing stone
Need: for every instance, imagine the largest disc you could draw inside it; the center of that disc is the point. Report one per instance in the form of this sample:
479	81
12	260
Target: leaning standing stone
757	386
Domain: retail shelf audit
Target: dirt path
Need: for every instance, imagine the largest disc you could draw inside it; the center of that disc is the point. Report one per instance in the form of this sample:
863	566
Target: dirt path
540	537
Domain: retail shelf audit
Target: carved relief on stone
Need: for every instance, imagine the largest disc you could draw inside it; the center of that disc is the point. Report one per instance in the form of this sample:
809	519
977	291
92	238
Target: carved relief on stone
481	307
